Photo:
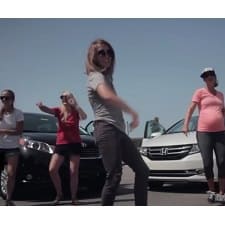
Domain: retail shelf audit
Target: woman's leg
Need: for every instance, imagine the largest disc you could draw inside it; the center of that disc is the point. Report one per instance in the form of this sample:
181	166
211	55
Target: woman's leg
132	157
110	148
55	163
74	176
221	185
219	146
12	162
205	143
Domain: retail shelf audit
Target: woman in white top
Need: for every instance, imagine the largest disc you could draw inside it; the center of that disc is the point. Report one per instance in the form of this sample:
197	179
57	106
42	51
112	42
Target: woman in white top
11	127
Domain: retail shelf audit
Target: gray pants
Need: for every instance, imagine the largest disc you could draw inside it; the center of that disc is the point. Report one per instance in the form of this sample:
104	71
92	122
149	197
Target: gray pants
209	142
115	147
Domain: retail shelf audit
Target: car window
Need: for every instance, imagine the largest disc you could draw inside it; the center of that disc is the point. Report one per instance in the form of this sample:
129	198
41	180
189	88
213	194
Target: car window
177	127
42	123
90	128
153	128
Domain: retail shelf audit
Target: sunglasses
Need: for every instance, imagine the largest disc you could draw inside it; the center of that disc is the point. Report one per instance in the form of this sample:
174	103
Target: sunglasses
103	53
63	96
5	98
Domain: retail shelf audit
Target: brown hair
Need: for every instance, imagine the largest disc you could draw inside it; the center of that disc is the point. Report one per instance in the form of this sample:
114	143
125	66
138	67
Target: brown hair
92	64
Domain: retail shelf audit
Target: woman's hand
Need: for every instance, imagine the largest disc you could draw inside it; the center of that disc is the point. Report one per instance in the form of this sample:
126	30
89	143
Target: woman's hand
39	104
135	120
185	130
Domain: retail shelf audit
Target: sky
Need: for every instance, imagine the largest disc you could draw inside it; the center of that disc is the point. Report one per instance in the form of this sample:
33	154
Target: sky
158	61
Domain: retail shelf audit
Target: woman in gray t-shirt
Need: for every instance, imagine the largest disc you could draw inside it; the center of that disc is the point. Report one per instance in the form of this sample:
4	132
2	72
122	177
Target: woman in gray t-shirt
113	143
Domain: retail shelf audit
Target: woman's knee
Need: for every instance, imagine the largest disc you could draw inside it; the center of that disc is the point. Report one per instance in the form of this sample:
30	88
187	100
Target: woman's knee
74	172
114	179
53	170
11	173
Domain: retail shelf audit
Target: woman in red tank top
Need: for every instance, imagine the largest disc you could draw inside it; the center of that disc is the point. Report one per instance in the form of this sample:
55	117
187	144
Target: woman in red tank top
68	142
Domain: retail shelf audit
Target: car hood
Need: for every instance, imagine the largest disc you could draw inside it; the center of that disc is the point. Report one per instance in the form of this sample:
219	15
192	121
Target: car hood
50	138
170	140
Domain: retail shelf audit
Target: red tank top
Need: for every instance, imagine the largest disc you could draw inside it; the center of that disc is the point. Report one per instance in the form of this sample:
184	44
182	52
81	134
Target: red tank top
68	131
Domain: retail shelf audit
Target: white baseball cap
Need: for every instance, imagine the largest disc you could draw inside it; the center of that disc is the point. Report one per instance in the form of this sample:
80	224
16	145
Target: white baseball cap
207	70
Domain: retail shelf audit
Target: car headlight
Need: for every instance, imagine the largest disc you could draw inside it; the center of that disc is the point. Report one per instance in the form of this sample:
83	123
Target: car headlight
144	151
27	143
194	149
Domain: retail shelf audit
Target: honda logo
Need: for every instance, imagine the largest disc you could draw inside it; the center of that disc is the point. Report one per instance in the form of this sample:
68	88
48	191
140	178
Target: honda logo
164	151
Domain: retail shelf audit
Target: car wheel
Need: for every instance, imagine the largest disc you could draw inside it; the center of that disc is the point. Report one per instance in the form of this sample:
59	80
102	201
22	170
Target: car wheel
3	184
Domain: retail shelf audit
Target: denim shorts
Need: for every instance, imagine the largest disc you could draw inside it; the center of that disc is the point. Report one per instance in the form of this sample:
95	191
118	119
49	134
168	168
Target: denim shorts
6	153
9	152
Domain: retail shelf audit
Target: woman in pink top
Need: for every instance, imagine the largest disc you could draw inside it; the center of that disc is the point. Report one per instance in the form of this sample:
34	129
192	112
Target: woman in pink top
68	142
210	131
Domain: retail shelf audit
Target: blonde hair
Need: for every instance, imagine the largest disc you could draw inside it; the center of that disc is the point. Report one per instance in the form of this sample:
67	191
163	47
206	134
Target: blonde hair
92	64
72	102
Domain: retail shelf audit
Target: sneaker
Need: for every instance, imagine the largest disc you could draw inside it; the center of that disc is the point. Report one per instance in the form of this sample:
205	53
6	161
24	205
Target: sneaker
211	196
220	198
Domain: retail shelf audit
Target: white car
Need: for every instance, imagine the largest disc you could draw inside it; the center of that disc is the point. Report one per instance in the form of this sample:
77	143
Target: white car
173	156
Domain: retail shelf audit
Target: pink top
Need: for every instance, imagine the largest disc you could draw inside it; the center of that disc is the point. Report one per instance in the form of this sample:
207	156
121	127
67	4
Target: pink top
68	131
211	118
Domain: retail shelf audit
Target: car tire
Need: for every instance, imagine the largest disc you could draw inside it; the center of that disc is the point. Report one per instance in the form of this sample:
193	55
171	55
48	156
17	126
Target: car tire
3	183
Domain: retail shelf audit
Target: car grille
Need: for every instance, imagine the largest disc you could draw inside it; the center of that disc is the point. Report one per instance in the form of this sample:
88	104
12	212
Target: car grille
173	173
89	153
169	153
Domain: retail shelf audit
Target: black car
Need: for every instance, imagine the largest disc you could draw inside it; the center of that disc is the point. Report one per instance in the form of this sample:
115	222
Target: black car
36	147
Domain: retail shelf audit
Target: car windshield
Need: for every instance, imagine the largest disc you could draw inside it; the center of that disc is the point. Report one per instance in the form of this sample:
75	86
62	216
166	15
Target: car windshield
83	131
42	123
177	127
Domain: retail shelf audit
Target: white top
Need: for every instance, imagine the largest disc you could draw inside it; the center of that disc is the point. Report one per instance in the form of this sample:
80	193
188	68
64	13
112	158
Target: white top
9	121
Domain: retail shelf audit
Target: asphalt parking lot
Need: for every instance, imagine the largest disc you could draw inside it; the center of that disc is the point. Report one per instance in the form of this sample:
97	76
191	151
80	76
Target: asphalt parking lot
168	195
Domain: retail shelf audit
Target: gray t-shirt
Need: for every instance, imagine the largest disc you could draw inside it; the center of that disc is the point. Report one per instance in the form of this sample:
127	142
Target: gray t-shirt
102	110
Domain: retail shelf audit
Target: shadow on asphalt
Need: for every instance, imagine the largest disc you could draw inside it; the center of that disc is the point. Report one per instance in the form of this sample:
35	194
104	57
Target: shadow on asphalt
33	194
180	188
45	196
83	202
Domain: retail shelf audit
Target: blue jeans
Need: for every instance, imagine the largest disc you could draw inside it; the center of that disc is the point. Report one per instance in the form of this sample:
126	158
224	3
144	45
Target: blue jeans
115	147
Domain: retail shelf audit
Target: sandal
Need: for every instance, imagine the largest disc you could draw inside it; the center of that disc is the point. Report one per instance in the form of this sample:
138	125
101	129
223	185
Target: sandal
74	202
58	199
